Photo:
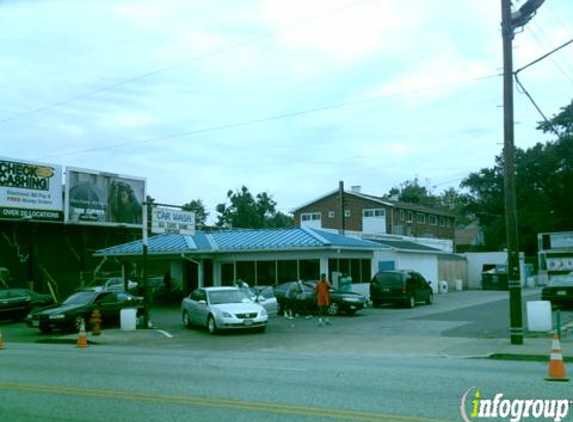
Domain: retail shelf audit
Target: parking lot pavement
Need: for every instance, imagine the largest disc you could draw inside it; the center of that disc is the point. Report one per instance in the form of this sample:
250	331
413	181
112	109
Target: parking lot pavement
422	331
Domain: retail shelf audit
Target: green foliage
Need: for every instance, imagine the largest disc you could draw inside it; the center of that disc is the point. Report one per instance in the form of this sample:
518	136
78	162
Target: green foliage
412	192
544	186
198	208
248	212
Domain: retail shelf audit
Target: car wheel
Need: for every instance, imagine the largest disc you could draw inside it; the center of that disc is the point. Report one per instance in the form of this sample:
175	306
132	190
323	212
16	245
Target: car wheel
333	309
411	302
211	324
430	299
186	320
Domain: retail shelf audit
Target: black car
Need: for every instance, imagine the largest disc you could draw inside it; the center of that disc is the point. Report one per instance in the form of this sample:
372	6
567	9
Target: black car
15	304
403	287
559	291
79	307
347	302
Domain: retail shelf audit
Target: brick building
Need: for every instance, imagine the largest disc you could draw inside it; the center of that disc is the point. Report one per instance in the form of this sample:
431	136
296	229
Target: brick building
353	212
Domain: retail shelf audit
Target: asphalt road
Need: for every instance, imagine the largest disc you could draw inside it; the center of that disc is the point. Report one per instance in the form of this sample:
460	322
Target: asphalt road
108	383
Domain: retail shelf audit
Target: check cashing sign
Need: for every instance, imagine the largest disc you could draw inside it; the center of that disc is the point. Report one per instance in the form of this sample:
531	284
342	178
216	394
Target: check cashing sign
30	190
173	221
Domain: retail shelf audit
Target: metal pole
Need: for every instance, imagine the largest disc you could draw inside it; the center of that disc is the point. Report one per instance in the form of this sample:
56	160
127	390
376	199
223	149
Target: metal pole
514	282
146	301
341	206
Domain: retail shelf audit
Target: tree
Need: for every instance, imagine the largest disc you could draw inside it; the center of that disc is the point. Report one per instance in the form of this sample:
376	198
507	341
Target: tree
412	192
544	182
246	211
198	208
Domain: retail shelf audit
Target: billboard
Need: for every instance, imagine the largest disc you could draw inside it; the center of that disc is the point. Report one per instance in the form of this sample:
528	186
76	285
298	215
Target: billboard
94	197
30	190
166	220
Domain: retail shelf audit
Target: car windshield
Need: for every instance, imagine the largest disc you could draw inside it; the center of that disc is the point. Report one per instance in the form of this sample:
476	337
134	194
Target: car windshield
562	280
227	296
80	298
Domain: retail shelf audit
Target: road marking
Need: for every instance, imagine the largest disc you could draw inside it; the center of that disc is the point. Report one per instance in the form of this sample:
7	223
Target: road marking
347	415
165	333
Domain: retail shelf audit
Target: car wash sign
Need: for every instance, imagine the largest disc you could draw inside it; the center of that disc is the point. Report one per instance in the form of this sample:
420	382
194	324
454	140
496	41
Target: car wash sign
30	190
168	220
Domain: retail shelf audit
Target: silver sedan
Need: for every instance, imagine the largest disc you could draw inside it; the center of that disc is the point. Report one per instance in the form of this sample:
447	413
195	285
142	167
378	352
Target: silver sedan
223	308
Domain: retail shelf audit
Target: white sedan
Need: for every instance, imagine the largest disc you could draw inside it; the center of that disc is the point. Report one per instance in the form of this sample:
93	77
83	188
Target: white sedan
223	308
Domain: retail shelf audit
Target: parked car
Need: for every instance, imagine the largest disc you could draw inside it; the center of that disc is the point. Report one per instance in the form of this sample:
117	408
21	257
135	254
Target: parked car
79	306
223	308
559	291
15	304
265	296
347	302
405	287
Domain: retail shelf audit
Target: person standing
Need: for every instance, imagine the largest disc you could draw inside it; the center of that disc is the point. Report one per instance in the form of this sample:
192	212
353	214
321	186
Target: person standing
322	291
290	299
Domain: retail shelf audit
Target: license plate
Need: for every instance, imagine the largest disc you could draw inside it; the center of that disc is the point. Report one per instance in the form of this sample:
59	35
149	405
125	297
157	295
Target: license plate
248	322
386	290
352	307
35	323
561	293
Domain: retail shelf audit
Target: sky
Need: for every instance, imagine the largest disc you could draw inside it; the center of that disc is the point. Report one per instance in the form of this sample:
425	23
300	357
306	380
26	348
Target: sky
287	97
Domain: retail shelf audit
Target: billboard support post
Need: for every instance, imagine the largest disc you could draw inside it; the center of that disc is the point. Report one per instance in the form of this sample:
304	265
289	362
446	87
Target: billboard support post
146	298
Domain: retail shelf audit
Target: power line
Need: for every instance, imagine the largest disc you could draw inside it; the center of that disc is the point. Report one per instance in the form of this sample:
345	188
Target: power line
266	119
182	63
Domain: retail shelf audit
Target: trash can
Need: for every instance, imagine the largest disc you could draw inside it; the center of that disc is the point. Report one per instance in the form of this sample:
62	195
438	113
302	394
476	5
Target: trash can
128	319
459	285
539	316
495	278
443	286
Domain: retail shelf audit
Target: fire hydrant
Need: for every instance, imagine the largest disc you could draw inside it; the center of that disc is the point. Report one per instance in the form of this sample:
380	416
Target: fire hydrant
95	322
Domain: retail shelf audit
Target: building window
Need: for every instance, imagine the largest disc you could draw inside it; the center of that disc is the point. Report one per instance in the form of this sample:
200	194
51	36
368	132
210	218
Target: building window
441	221
402	215
310	216
433	220
409	217
378	212
420	218
347	213
330	214
448	222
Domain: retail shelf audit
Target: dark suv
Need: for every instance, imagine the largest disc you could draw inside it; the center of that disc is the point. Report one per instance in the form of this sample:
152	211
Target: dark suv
403	287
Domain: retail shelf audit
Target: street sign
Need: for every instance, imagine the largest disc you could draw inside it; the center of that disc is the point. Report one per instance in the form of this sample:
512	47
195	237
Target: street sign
167	220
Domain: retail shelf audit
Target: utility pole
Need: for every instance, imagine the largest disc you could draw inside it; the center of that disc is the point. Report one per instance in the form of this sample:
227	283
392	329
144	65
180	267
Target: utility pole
510	22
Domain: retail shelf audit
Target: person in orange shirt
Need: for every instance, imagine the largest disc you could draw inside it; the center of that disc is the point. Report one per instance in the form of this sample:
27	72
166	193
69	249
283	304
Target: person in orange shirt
323	298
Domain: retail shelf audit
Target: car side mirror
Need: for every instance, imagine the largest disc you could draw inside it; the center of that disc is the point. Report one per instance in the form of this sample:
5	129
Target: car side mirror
202	302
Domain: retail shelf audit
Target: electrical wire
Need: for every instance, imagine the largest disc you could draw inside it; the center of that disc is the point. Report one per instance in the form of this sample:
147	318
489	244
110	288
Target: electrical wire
265	119
182	63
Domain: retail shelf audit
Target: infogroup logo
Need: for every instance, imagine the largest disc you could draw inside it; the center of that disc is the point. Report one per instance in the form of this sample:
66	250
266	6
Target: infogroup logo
474	407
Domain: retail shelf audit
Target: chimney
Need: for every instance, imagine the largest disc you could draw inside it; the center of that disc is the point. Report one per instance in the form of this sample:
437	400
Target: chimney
356	189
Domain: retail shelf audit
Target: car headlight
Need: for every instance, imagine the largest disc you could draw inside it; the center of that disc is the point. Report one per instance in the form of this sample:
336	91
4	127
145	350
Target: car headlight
57	316
225	314
263	312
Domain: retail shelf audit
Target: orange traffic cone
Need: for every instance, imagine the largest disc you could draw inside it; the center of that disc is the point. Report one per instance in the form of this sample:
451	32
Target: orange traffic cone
556	366
1	341
82	339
